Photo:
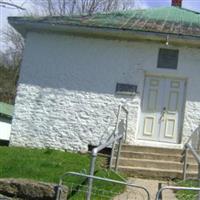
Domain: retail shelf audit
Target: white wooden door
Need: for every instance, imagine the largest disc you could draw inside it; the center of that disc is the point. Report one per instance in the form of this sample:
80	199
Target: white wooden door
162	106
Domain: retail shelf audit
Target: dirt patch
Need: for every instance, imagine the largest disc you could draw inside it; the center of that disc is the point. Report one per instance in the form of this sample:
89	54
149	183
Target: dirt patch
132	193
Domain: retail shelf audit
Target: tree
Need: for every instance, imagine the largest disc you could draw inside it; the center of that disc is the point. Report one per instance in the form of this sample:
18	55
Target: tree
11	55
15	46
9	4
71	7
10	59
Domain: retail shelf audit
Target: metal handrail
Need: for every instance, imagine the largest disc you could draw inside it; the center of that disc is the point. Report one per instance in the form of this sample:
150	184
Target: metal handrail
116	136
194	153
127	113
197	130
122	137
174	188
97	178
189	147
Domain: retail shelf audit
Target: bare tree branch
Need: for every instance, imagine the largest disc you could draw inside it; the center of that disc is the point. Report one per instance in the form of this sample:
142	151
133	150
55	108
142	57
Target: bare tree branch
12	5
15	46
70	7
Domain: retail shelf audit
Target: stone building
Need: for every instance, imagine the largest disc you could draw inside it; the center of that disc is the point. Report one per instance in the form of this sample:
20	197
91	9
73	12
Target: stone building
77	70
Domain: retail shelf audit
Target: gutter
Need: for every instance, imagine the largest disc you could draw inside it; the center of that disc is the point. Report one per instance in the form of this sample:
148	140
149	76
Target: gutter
25	26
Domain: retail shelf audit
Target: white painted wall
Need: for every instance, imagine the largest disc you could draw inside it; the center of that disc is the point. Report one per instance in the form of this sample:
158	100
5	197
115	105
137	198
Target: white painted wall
66	94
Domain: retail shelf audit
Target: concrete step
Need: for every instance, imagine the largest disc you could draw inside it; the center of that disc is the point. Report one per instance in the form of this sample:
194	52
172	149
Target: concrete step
165	165
144	149
154	162
154	172
154	156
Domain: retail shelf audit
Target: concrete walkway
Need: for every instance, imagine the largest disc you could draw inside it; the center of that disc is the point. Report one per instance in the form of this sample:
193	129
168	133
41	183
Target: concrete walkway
152	187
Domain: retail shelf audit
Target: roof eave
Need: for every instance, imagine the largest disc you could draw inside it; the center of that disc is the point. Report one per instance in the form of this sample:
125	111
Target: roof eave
6	110
7	116
24	27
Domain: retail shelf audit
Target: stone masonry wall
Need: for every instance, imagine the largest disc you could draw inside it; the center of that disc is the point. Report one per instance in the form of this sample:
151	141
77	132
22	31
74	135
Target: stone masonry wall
63	119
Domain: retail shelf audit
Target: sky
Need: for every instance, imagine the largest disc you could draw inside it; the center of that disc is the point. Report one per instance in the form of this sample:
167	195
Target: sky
5	12
190	4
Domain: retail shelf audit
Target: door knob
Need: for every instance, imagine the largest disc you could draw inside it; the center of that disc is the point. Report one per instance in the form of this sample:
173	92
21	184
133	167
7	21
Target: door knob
162	113
164	108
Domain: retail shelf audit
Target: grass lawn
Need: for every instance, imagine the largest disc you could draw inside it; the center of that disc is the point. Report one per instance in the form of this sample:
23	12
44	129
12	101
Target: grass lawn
187	195
48	165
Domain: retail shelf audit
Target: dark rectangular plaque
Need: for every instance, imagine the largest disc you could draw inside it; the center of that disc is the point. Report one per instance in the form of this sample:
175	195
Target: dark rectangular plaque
126	89
168	59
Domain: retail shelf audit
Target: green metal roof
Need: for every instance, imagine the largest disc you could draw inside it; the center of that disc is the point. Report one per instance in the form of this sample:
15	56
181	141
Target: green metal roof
120	19
174	14
6	109
171	20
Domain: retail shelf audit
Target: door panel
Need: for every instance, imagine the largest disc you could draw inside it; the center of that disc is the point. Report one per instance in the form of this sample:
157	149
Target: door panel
150	109
173	101
152	99
170	128
149	126
161	109
174	95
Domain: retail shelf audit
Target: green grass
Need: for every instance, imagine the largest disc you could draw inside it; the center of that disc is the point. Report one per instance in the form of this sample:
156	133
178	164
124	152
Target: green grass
187	195
48	165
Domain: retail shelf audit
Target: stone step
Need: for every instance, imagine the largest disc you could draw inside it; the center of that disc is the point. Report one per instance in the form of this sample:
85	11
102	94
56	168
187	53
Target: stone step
155	156
154	172
154	162
144	149
144	163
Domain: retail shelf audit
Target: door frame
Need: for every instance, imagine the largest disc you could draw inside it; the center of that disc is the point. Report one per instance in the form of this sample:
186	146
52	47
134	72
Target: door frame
162	76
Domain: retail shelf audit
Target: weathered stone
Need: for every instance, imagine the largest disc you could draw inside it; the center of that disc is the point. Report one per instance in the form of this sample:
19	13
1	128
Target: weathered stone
32	190
3	197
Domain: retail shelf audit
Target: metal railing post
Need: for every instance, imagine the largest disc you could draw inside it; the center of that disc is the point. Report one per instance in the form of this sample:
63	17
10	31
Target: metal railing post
174	188
159	187
111	141
185	163
126	126
92	168
118	154
199	180
58	192
112	155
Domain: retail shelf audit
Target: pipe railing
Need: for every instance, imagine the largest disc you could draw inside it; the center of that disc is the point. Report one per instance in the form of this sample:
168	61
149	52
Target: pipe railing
116	136
124	136
174	188
193	146
59	189
194	139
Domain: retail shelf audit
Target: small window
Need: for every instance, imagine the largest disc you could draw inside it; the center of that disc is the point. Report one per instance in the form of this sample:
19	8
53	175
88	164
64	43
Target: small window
168	59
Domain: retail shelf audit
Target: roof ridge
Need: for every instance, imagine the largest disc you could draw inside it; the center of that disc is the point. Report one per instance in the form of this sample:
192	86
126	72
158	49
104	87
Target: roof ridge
163	7
186	9
153	9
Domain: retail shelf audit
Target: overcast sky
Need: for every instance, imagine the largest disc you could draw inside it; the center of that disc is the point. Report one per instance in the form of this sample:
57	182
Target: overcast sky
5	12
190	4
